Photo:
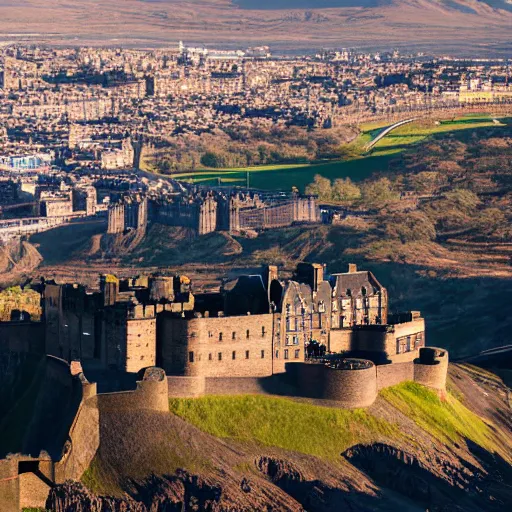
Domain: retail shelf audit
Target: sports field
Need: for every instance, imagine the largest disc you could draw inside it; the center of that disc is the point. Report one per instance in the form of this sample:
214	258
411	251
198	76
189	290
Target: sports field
358	165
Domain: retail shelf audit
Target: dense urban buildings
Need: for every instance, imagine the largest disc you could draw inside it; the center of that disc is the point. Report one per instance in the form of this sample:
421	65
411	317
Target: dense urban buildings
76	124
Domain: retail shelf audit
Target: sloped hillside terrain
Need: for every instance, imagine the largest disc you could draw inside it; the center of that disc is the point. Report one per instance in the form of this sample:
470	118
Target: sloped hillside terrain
409	451
468	27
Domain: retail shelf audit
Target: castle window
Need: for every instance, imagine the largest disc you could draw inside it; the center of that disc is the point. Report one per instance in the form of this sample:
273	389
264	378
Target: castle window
296	324
295	340
286	353
191	357
233	355
277	354
364	291
210	357
297	354
263	331
210	334
233	335
349	292
246	354
220	356
247	334
262	354
321	307
220	336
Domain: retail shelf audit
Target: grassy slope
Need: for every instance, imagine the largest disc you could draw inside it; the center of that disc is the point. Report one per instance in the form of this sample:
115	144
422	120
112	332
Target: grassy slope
283	423
449	420
300	427
358	166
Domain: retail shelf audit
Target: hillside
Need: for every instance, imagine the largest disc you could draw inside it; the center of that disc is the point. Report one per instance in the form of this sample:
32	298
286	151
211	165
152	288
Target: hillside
409	451
461	26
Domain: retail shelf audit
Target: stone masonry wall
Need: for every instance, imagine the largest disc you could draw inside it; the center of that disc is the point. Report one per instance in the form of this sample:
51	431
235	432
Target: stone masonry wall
350	388
393	374
84	441
33	491
183	387
9	486
140	344
151	393
432	368
239	346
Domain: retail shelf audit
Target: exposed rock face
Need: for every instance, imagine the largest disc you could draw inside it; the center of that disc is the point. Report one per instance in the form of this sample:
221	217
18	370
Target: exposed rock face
155	494
441	484
73	496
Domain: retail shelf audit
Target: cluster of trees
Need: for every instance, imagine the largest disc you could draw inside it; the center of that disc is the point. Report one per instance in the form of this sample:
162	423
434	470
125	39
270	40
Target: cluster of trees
372	194
247	146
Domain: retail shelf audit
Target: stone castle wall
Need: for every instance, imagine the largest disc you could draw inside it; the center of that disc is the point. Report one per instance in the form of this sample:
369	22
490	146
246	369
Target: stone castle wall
84	439
392	374
432	368
235	346
141	342
349	388
25	480
22	337
9	486
186	387
151	393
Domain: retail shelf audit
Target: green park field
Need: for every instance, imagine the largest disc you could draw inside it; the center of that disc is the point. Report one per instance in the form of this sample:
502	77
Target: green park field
357	165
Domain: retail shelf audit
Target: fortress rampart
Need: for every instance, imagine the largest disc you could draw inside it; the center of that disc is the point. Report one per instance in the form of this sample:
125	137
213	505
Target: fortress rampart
351	383
151	393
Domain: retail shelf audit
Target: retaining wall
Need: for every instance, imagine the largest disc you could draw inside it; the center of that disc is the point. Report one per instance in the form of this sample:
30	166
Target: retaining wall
182	387
84	439
393	374
350	388
238	385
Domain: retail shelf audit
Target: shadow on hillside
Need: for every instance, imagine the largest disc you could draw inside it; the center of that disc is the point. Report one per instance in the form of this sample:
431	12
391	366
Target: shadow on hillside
62	244
463	487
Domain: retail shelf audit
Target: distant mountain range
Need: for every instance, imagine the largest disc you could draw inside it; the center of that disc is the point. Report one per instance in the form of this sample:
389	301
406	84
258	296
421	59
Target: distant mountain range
464	27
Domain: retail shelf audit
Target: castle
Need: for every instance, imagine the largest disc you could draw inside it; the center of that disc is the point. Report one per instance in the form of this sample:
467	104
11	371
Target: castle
206	211
314	335
252	328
